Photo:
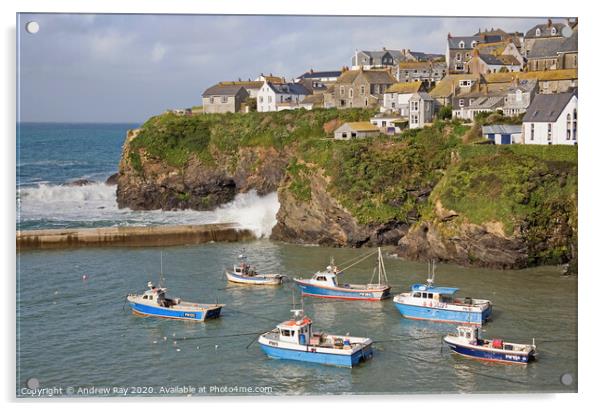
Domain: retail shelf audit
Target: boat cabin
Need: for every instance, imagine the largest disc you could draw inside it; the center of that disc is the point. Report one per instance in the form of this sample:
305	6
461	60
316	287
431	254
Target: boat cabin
440	294
244	269
156	296
469	333
296	331
328	277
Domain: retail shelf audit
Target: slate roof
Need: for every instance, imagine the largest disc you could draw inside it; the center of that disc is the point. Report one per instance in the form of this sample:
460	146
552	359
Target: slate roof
570	44
545	30
546	108
422	95
320	74
415	65
222	90
548	47
454	42
490	59
373	76
288	88
503	129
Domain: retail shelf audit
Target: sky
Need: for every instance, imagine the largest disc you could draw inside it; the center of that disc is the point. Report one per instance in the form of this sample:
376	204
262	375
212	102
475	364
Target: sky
126	68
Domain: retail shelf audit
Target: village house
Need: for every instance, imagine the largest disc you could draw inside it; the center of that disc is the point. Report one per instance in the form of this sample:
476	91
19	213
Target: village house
503	133
270	78
359	129
519	97
481	63
252	87
549	30
397	97
454	85
551	119
423	71
422	110
500	36
553	53
389	123
318	81
549	81
384	58
280	96
224	98
467	107
361	88
459	52
501	48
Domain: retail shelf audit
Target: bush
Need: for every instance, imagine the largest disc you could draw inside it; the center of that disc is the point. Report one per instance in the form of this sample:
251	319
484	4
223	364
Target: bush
445	113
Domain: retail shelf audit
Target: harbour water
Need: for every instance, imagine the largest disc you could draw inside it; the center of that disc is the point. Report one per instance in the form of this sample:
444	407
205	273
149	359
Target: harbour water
76	332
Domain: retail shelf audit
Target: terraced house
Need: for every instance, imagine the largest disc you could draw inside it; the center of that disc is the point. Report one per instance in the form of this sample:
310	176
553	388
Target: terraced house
361	88
549	30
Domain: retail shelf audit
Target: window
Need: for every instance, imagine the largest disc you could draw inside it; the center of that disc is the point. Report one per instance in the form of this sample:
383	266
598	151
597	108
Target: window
458	57
269	99
461	102
414	105
362	90
553	31
383	123
393	105
473	44
416	295
569	126
145	297
532	131
224	99
538	32
430	295
549	132
461	44
321	278
414	119
211	100
465	83
366	102
285	333
575	124
350	93
261	99
342	90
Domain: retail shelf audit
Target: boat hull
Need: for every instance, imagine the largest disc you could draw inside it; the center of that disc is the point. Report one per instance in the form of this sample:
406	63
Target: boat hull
416	312
489	355
340	360
254	280
191	315
342	292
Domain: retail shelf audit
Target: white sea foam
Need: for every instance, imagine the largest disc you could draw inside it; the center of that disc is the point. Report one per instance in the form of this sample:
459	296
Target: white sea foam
96	204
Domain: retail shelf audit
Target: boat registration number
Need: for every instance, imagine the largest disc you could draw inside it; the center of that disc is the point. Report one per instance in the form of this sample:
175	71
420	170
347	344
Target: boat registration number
273	343
190	315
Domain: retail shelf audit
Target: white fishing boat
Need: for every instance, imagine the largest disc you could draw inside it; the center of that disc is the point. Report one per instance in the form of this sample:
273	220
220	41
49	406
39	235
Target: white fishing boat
243	273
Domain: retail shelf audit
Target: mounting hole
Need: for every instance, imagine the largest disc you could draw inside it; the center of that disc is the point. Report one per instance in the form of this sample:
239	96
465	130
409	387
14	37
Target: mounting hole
567	31
32	27
566	378
33	383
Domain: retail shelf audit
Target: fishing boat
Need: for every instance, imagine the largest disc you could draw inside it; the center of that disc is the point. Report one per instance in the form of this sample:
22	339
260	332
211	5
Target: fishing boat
469	343
243	273
325	284
295	340
427	302
154	303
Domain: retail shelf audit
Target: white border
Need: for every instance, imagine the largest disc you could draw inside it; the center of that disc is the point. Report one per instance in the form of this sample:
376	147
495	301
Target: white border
589	164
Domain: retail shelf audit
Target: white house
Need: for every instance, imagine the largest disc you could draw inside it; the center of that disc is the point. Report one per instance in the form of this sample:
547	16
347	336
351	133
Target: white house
422	109
397	97
388	122
276	97
551	119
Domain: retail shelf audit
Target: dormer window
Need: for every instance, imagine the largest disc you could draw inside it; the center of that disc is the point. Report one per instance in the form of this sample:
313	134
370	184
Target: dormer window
538	32
473	44
461	44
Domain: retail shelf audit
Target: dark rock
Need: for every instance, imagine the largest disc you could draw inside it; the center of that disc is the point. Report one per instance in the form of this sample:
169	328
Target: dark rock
78	183
112	180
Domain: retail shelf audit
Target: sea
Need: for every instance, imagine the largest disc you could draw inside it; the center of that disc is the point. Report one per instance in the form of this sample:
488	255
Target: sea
77	337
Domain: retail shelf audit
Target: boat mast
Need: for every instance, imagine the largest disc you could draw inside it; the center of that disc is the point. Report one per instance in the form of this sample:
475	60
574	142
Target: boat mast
161	278
382	272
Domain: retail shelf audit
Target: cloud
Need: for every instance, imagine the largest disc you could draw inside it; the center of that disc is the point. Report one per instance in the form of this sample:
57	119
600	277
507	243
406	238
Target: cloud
158	52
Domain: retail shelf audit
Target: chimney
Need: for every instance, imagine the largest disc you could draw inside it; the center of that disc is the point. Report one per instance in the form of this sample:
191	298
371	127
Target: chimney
549	23
384	48
449	36
270	74
311	70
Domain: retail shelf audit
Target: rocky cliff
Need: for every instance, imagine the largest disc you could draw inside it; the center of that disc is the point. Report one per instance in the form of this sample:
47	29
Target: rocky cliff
427	192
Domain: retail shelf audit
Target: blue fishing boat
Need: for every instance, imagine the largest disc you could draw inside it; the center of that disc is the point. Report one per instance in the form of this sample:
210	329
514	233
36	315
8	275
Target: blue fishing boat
325	284
469	343
154	303
295	340
427	302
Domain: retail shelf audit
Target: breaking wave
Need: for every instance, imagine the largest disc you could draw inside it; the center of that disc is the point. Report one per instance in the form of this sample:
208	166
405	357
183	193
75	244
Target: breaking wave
95	205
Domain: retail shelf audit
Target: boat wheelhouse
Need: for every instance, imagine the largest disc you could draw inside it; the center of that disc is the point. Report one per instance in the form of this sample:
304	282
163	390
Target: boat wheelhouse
468	342
325	284
295	340
243	273
428	302
154	303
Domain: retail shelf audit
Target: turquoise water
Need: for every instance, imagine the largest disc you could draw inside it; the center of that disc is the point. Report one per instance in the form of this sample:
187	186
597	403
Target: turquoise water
77	333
